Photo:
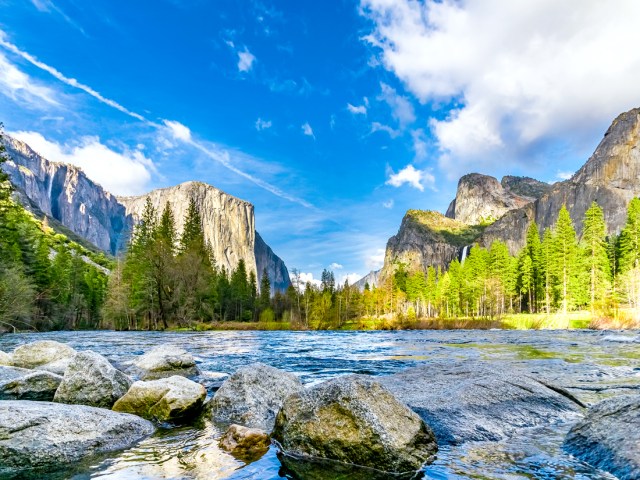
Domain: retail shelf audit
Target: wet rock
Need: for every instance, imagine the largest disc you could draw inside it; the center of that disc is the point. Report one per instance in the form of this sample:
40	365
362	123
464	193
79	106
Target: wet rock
40	436
609	437
253	395
44	355
354	420
166	399
5	359
165	361
90	379
476	401
23	384
245	442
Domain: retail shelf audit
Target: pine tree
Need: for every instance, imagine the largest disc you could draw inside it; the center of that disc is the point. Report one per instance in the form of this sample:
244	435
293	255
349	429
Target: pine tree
532	247
594	251
5	185
265	290
630	238
565	258
547	248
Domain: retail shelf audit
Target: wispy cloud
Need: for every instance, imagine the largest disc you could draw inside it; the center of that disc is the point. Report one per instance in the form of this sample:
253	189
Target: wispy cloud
379	127
245	60
176	129
47	6
564	175
262	124
401	107
388	204
17	85
335	266
357	110
307	130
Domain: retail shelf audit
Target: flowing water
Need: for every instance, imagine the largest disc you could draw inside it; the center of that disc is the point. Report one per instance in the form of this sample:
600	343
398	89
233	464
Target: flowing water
593	365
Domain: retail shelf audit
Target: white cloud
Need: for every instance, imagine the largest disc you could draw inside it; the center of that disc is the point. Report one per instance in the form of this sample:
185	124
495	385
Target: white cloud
412	176
122	173
178	130
379	127
375	261
18	86
401	108
419	144
308	278
307	130
564	175
350	277
388	204
263	124
357	110
335	266
522	73
245	60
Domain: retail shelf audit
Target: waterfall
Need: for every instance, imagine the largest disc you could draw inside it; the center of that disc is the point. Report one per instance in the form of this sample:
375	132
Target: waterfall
50	186
464	253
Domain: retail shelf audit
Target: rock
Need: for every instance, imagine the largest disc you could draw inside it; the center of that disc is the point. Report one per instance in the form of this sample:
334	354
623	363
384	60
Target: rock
276	269
609	437
475	401
253	395
42	436
165	361
245	442
167	399
24	384
58	367
5	359
41	353
354	420
91	380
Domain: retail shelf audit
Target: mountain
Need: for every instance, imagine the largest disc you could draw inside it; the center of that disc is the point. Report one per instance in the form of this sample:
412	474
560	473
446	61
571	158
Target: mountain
370	278
65	194
485	210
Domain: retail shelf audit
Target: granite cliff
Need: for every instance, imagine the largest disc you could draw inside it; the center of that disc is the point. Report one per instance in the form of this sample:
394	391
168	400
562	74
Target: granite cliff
65	194
485	210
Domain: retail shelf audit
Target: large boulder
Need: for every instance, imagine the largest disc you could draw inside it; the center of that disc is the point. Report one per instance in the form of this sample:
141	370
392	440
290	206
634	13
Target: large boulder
474	401
166	399
41	436
5	359
90	379
253	395
164	361
44	355
245	442
23	384
354	420
609	437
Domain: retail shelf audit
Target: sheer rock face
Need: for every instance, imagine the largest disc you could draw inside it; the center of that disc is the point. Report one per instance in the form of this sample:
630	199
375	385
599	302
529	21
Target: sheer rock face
482	199
66	194
611	177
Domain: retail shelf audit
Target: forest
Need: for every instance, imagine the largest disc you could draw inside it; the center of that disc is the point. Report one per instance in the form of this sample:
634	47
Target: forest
166	281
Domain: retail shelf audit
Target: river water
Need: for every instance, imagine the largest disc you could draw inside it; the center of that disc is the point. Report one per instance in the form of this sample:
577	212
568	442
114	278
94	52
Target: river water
592	365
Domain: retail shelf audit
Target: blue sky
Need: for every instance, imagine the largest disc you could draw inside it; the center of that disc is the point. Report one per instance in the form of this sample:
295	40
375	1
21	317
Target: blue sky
333	118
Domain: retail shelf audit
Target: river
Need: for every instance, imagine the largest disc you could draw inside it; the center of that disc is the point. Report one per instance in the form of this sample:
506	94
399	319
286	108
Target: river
591	364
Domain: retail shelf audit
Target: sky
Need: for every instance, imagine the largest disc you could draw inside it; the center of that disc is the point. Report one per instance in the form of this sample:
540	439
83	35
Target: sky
332	118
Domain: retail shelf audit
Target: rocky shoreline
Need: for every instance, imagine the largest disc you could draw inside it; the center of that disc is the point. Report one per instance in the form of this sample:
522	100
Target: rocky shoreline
60	406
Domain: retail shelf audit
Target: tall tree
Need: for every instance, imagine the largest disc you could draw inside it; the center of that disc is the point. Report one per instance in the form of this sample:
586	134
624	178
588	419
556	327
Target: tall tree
565	258
265	290
594	251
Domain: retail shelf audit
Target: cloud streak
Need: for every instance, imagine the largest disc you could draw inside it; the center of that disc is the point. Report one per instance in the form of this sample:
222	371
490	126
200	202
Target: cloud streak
176	129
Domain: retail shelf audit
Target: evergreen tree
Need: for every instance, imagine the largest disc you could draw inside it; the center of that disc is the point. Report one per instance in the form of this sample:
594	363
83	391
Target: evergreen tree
594	251
265	290
565	259
630	238
547	249
532	247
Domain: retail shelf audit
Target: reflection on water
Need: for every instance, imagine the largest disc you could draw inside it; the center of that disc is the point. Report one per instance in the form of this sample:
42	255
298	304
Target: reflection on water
592	364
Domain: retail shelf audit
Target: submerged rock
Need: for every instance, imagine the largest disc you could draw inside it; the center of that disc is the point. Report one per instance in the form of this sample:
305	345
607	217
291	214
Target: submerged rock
609	437
39	436
5	359
166	399
354	420
245	442
253	395
474	401
44	355
23	384
165	361
90	379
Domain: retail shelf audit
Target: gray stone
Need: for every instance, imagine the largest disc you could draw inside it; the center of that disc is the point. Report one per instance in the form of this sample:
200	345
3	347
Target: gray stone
476	401
5	359
245	442
609	437
40	353
165	361
90	379
354	420
58	367
253	395
166	399
23	384
42	436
